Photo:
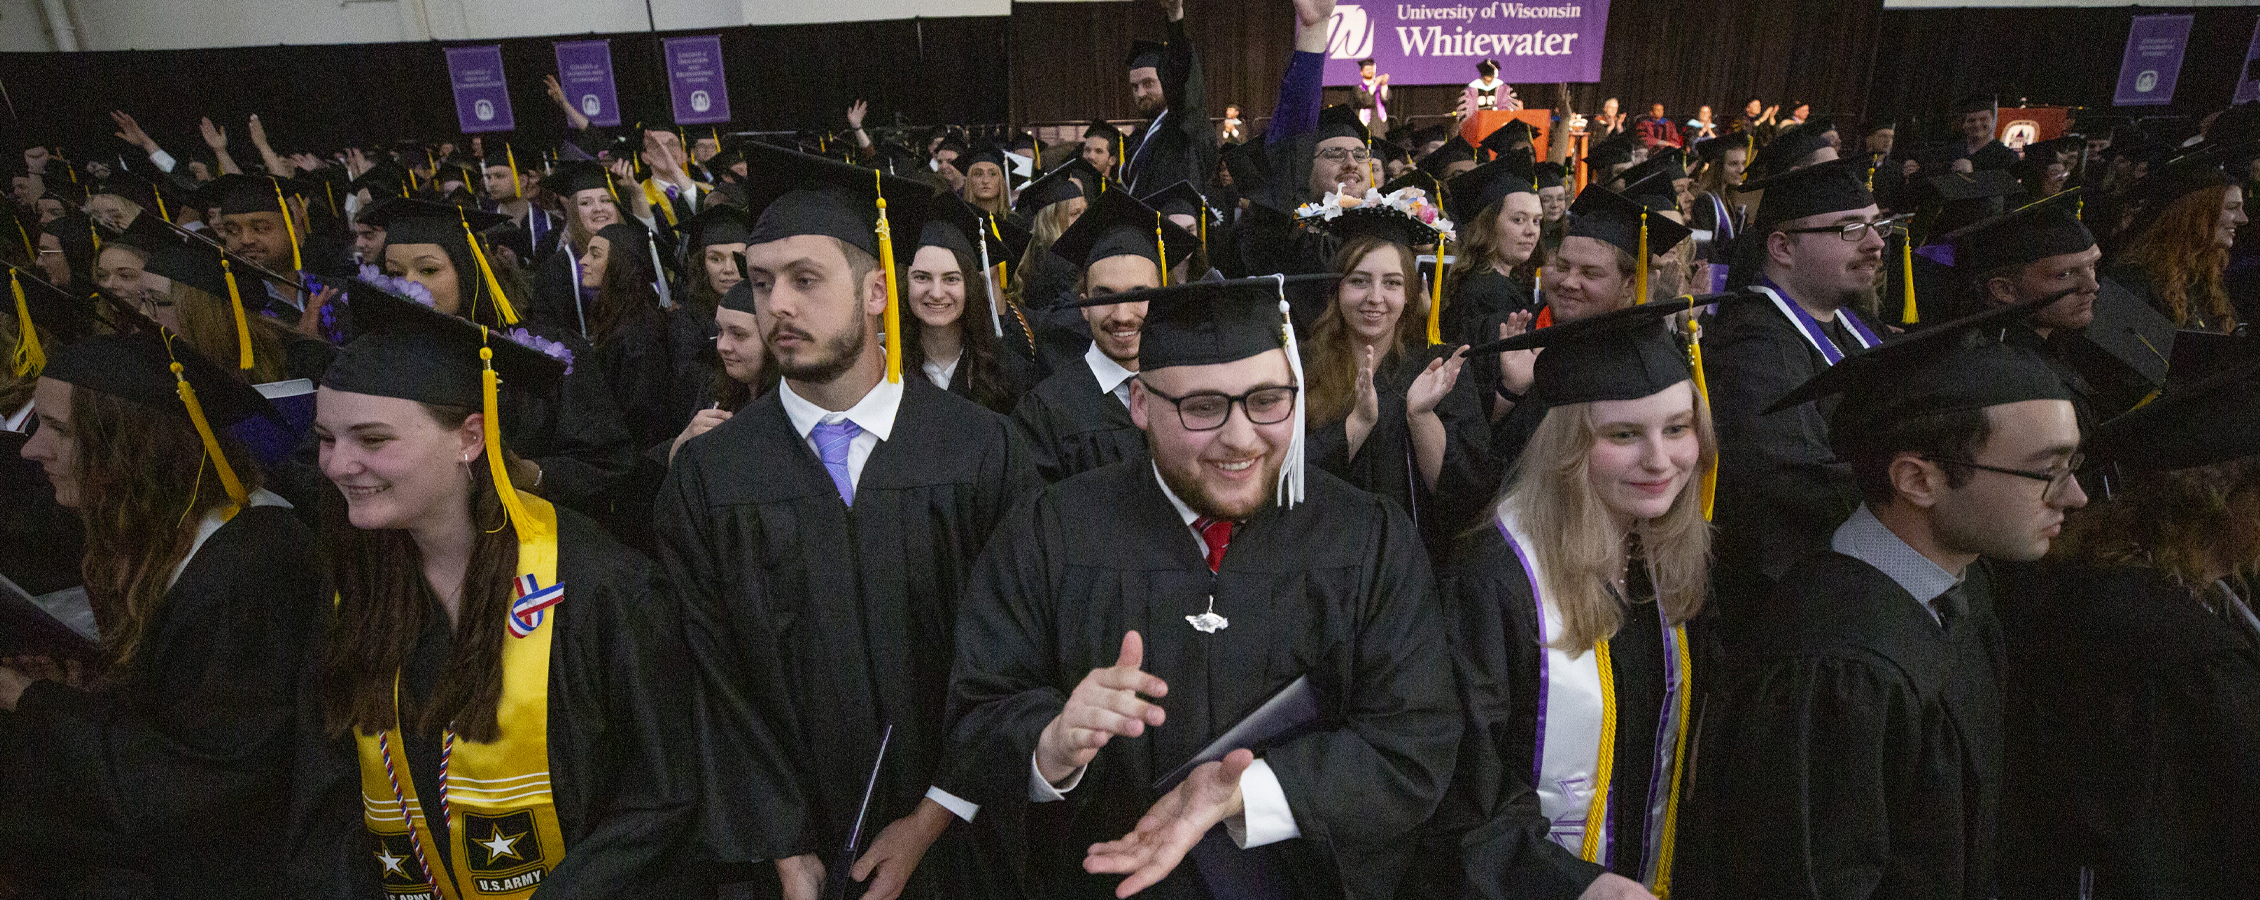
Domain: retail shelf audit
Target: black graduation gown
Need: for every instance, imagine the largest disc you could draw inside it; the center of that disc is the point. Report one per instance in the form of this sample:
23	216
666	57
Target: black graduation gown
1484	298
1015	374
1071	426
1384	465
625	802
577	436
556	306
1781	490
2134	719
812	625
1336	589
1181	146
173	782
1491	820
1862	758
41	542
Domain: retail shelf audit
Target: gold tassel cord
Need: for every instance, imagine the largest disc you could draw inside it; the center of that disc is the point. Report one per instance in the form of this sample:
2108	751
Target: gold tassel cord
30	357
1597	813
289	228
1161	247
1640	268
516	191
502	308
892	317
490	392
242	319
1702	391
1907	312
228	479
1666	844
159	196
1436	296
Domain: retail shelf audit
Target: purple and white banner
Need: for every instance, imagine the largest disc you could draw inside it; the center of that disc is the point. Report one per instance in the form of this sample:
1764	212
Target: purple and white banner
1440	41
2153	60
2248	78
694	80
482	94
584	70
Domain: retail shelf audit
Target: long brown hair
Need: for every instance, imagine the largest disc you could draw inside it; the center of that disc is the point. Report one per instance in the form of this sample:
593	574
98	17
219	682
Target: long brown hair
625	294
1477	250
385	603
1576	543
144	488
208	324
2192	525
2184	266
1330	359
984	379
1048	224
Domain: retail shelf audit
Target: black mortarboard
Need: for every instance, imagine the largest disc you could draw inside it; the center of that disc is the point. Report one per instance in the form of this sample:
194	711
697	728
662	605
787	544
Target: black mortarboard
2035	231
799	194
1781	155
1455	150
1340	121
1623	354
1145	55
63	316
574	176
1480	188
986	153
1516	133
716	224
2054	148
425	222
2130	330
192	264
1549	175
1835	186
1616	220
1180	199
740	298
2180	177
1067	181
385	179
65	192
1005	241
1950	367
136	365
1390	152
239	194
1415	179
1118	225
1102	130
131	187
1653	191
1615	151
1713	150
402	348
1662	161
2214	420
946	235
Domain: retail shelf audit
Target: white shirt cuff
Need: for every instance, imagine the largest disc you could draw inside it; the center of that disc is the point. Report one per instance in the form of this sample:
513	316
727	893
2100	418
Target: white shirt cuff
162	160
957	806
1264	817
1041	791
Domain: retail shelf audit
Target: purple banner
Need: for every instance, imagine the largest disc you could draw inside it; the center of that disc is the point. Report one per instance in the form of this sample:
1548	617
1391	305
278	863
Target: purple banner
1440	41
482	94
2153	60
694	80
2248	78
584	69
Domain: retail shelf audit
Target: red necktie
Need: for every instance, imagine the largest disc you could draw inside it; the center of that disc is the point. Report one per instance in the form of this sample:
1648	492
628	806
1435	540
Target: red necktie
1216	534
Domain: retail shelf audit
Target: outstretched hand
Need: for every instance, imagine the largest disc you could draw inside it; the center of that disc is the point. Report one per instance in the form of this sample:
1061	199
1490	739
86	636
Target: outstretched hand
1516	367
1175	823
1105	704
1434	383
215	137
130	131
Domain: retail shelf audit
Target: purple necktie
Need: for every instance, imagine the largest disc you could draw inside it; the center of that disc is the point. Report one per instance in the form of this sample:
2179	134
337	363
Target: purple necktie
832	441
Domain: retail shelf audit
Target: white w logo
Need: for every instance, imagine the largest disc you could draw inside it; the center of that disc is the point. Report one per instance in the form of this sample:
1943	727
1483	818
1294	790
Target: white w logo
1351	36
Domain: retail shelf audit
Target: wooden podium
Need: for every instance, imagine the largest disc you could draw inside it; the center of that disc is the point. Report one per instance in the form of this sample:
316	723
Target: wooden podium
1479	126
2017	126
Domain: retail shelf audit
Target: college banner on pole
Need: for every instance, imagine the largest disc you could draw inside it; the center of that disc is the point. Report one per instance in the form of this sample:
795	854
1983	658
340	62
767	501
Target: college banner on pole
695	81
482	94
2153	61
1440	41
584	69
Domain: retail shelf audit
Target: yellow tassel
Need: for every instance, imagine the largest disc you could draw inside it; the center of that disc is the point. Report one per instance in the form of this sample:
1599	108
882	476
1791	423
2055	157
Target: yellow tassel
1596	813
1640	268
289	228
95	234
1039	148
892	318
159	196
1161	247
1907	279
490	406
1666	844
228	481
242	319
502	307
31	358
31	248
331	189
1702	390
516	191
1436	296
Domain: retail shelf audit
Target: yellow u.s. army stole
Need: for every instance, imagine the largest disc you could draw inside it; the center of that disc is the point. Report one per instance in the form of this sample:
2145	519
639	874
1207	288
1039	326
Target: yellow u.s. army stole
503	832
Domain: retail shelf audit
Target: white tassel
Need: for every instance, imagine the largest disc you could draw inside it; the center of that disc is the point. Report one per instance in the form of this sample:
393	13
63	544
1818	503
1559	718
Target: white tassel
1291	471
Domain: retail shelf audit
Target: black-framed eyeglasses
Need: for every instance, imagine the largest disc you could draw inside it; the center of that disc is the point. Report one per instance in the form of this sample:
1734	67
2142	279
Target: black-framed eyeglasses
1207	411
2058	477
1338	154
1852	232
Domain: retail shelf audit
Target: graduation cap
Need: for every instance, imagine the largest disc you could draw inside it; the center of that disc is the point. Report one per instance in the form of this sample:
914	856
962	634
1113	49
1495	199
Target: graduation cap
2131	331
385	179
2210	419
1653	192
1340	121
1182	199
1516	133
796	194
66	192
1390	152
1456	150
716	224
1615	151
1834	186
424	222
155	368
404	349
1102	130
1957	366
1665	163
1415	179
574	176
1480	188
1549	175
39	306
1624	223
1714	150
2032	232
1071	179
240	194
740	298
507	158
1145	55
2182	176
1118	225
1782	154
1213	322
986	153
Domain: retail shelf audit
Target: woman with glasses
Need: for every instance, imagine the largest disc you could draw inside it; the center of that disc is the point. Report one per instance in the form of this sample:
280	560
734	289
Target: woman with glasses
1569	615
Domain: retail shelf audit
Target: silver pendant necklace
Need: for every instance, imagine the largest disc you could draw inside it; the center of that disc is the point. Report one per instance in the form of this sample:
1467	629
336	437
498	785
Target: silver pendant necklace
1209	622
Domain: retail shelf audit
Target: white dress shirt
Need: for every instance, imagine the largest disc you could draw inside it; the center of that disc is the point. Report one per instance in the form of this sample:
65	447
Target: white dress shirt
1112	377
941	374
